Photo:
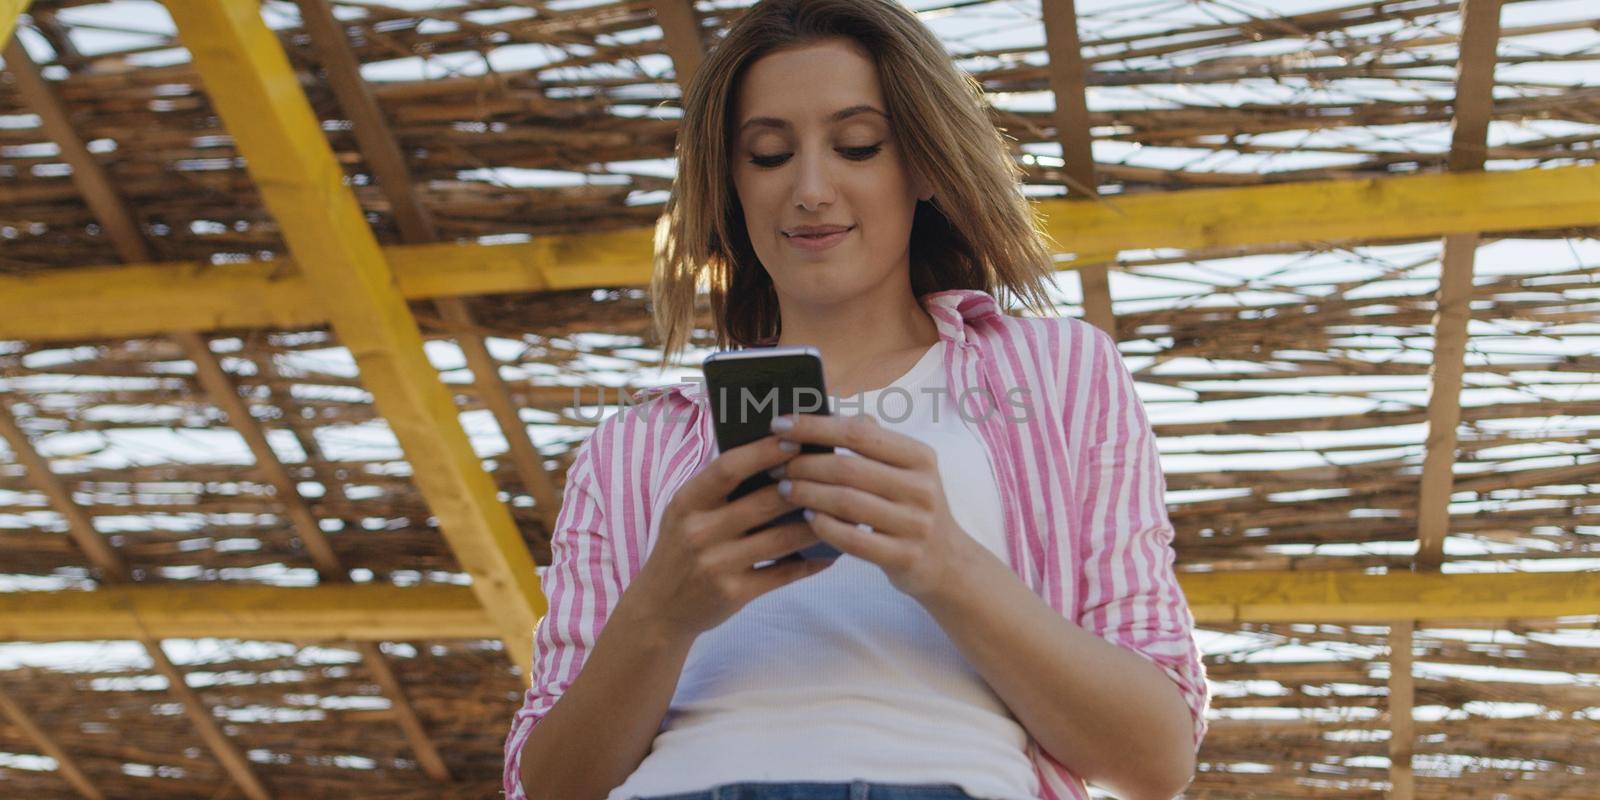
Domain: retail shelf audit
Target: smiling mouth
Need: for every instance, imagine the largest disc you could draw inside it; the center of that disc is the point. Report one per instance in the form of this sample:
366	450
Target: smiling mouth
819	235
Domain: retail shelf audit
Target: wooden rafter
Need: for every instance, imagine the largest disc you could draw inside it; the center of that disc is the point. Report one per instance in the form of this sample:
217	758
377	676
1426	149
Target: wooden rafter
237	766
375	612
219	388
258	97
1480	37
114	570
123	231
680	31
404	713
1402	722
65	765
102	556
381	151
379	148
1067	83
87	175
139	299
223	392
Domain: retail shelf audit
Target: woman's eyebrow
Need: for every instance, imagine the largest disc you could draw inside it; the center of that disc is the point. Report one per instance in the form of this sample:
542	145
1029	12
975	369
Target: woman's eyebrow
845	113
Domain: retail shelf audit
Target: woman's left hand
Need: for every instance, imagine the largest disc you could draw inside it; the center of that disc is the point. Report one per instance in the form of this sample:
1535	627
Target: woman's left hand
892	483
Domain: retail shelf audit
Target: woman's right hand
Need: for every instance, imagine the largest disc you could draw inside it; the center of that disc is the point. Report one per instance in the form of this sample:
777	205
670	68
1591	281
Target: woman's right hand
701	569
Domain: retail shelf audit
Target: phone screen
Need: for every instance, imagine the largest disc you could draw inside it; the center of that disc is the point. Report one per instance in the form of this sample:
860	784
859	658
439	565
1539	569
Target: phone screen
747	389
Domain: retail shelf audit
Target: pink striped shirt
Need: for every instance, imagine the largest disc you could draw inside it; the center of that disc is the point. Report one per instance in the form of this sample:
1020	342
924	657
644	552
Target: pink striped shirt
1080	484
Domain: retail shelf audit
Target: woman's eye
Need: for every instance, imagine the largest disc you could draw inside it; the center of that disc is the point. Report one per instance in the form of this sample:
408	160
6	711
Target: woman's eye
852	153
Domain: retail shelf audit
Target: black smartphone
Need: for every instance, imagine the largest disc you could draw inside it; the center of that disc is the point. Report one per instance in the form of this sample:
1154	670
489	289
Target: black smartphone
750	387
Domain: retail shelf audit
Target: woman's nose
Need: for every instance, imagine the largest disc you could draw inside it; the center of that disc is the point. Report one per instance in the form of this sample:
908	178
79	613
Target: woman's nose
813	181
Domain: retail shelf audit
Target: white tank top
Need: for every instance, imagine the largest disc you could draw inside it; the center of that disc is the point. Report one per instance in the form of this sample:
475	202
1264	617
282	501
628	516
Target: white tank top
841	676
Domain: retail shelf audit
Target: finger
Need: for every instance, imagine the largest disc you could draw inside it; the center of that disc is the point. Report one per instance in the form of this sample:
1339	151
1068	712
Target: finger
766	544
735	519
912	487
859	433
782	574
851	539
849	503
710	487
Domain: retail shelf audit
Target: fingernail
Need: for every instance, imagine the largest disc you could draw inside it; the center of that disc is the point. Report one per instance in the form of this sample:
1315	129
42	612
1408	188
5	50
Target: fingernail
788	445
809	515
782	425
778	472
785	486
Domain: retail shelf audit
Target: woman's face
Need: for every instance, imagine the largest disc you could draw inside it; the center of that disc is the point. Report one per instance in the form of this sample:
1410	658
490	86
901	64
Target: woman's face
812	146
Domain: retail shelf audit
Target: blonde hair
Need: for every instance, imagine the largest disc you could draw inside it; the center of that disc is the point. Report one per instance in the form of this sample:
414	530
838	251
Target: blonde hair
978	231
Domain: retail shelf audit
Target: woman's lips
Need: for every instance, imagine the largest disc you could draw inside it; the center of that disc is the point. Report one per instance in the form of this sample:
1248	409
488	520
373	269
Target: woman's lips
816	243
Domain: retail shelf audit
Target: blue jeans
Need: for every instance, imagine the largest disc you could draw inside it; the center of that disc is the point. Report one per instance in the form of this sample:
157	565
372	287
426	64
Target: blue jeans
854	790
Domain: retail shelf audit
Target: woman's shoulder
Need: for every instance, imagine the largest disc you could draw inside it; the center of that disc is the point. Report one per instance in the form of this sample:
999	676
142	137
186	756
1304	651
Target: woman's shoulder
1059	350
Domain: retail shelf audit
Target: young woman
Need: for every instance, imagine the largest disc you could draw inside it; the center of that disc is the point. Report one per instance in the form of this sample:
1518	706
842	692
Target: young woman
1005	622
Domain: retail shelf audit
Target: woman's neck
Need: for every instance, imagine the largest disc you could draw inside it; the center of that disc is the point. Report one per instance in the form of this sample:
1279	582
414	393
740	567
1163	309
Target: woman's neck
865	342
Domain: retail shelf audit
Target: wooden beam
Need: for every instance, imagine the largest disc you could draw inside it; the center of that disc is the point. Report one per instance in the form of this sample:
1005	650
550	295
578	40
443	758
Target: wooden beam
374	612
251	85
10	10
1402	722
142	299
234	762
102	556
113	569
380	148
146	299
1068	83
329	613
1480	37
427	754
87	175
405	715
222	392
1367	209
1356	597
225	394
65	765
680	31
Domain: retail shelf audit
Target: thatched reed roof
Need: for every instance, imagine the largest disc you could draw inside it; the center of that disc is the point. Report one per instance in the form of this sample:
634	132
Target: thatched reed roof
1288	373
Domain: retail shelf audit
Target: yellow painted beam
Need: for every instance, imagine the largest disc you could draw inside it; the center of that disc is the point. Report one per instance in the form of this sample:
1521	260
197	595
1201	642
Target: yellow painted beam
1349	596
173	297
142	299
372	612
10	10
250	83
331	612
1320	211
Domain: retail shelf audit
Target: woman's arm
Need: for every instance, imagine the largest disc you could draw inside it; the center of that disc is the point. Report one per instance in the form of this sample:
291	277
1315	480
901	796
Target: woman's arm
569	740
607	661
1117	694
593	739
1107	714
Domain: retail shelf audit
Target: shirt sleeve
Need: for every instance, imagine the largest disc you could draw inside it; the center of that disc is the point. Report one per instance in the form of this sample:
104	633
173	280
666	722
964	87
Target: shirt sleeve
1128	591
582	587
